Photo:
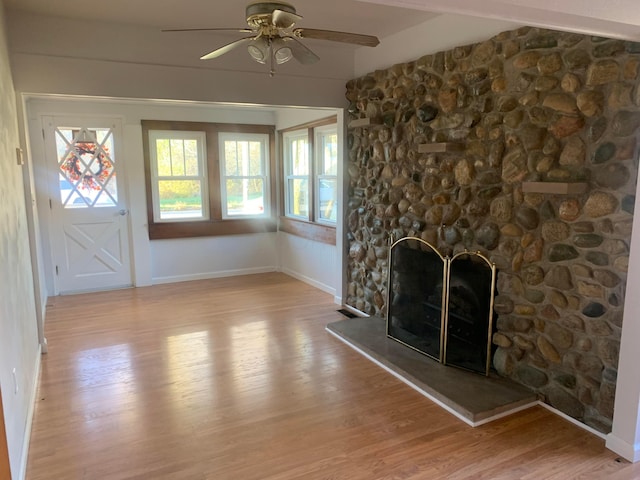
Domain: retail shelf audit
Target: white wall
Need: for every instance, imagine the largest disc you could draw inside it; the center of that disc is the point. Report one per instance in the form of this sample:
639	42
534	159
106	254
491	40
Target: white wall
19	347
312	262
624	438
438	34
212	257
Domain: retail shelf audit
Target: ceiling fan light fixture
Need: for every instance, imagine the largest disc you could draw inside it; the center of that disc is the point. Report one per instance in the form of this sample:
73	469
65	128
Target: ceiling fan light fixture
282	53
259	50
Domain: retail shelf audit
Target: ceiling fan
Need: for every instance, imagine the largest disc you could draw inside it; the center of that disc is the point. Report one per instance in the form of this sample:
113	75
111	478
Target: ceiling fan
273	36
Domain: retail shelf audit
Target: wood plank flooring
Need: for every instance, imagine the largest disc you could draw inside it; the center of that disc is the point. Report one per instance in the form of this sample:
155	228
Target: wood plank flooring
237	378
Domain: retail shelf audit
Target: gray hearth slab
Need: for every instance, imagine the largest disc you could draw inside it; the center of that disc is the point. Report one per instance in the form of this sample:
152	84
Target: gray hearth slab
474	398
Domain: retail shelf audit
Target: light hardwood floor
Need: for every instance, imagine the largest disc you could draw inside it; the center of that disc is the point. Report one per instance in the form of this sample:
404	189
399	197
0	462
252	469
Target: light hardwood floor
236	378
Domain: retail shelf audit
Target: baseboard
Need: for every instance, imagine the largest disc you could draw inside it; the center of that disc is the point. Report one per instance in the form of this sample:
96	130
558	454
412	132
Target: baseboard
628	451
337	300
32	407
209	275
309	281
574	421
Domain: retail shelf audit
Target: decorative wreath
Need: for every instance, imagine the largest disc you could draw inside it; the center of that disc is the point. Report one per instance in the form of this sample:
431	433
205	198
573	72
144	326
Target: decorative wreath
74	166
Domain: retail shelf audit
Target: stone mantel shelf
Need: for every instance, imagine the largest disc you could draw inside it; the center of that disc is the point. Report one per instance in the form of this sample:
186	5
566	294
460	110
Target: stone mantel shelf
558	188
440	147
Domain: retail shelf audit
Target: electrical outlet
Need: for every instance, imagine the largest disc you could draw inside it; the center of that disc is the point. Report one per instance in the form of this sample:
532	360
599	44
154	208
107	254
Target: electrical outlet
15	382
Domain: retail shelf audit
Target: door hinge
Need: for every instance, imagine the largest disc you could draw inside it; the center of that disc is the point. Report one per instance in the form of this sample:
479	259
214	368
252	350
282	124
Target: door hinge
50	204
57	270
43	134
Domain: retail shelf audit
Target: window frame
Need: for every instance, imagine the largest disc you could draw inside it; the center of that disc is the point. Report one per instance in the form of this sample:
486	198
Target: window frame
318	175
216	224
309	227
202	176
263	139
288	138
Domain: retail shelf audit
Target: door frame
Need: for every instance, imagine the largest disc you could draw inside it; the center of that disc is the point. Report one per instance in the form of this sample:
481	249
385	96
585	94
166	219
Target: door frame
50	191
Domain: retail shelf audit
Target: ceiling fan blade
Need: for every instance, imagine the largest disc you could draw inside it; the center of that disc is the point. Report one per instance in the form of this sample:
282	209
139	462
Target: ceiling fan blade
241	30
300	52
344	37
222	50
282	19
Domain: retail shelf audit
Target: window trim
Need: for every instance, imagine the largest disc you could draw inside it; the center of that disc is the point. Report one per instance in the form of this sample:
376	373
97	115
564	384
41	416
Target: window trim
215	225
306	228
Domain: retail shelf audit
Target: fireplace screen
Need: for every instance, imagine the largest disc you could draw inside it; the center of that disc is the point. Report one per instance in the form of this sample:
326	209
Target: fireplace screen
441	306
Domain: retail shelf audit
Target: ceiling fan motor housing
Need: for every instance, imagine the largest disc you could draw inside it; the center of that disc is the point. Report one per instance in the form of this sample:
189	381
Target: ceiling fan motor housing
259	14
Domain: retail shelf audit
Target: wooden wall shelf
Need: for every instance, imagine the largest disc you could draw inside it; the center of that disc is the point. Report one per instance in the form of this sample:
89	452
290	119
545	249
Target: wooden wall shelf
364	122
558	188
440	147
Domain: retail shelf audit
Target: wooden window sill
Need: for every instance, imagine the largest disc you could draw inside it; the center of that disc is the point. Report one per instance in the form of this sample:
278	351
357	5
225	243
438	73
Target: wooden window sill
312	231
159	231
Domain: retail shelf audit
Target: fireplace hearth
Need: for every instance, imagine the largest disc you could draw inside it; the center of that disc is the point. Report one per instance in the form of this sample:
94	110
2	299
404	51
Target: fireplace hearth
442	306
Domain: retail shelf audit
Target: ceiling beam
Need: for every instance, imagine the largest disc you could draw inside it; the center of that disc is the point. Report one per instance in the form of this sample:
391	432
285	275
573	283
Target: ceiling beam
613	18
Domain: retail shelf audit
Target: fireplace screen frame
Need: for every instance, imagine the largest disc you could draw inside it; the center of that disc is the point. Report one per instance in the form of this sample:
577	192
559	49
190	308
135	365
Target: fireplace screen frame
445	311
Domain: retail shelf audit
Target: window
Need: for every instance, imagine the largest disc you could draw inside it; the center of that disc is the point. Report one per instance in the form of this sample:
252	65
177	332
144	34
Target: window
179	176
243	171
296	147
326	180
310	180
208	178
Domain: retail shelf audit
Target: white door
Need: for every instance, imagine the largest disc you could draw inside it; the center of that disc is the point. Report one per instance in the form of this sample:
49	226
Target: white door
90	228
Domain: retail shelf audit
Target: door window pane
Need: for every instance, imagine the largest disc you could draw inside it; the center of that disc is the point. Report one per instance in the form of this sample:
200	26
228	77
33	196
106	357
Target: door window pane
87	167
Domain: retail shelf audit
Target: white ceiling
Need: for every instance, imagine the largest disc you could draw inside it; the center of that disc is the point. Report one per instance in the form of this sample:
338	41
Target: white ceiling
341	15
45	35
613	18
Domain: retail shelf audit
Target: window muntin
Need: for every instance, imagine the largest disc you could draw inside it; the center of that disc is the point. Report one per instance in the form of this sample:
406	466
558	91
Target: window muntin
297	170
179	175
243	169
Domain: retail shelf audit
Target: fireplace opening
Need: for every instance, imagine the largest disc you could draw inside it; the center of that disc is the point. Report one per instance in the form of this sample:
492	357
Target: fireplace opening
441	306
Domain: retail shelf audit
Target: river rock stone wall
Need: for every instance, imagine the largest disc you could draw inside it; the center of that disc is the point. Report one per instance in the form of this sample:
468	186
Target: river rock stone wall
526	105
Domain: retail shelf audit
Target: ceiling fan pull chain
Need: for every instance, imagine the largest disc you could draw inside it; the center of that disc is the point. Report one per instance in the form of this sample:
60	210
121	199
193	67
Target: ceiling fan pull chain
272	70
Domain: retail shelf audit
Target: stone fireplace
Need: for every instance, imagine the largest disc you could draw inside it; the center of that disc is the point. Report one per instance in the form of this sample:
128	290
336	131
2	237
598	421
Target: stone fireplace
524	148
441	306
